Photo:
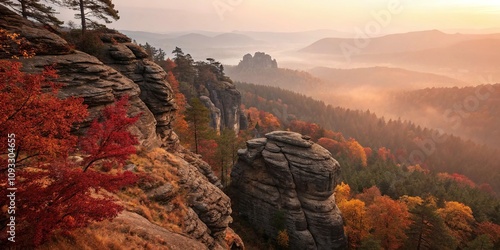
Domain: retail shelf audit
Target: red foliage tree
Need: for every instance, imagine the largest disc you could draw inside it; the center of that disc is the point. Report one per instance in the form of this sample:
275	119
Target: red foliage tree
489	228
390	220
208	150
306	128
52	195
58	197
31	110
459	178
110	139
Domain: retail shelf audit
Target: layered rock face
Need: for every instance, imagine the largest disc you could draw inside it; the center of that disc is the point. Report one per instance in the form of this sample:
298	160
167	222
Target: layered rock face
98	84
130	60
227	100
287	175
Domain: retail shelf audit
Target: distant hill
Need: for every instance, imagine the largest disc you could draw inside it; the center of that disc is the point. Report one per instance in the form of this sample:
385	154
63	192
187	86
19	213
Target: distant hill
477	54
383	78
263	70
395	43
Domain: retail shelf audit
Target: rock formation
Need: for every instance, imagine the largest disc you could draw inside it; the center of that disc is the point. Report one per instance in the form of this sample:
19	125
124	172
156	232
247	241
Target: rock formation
260	60
285	175
215	114
227	99
124	70
85	76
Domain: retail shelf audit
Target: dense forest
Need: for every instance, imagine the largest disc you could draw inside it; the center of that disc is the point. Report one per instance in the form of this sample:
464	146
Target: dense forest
411	144
389	198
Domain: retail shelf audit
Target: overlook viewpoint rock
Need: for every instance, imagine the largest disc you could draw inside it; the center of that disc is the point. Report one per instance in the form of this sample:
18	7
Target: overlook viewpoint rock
123	69
285	181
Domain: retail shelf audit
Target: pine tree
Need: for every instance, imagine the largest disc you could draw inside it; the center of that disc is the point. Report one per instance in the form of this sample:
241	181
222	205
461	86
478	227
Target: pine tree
100	9
226	153
428	230
198	118
35	9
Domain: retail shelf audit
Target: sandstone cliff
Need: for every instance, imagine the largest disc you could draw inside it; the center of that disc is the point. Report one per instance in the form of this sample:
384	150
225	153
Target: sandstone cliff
124	70
227	99
287	175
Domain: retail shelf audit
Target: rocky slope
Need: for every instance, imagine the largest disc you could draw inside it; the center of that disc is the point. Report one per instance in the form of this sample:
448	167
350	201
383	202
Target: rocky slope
124	70
287	176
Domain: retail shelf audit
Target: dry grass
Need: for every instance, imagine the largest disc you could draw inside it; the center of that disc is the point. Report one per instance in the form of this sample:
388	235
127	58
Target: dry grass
155	168
104	235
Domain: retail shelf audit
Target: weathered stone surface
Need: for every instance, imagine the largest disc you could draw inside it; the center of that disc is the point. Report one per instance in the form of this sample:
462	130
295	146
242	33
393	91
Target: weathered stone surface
131	60
139	225
99	84
287	175
42	41
210	205
227	99
215	113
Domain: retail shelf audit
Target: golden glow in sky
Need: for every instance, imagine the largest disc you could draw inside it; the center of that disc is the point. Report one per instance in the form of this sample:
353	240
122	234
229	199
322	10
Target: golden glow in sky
300	15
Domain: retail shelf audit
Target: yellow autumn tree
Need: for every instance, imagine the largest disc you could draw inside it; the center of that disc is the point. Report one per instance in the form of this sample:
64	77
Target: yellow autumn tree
357	225
342	192
459	219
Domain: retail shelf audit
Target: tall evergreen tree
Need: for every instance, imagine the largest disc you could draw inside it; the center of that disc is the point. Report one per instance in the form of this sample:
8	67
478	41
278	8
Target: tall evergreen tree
428	230
185	70
35	9
226	152
100	9
198	118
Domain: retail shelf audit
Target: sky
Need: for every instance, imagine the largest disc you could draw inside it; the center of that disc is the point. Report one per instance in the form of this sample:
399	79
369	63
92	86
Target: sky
302	15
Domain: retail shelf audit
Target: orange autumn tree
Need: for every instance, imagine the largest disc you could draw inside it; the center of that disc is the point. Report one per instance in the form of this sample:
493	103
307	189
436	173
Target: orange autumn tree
181	127
390	219
357	225
52	195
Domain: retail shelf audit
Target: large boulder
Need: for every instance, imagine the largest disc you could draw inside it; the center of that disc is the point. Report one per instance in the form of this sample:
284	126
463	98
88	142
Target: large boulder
287	177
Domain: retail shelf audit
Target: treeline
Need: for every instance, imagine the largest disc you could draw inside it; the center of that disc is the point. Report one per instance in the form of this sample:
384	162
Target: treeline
411	144
470	111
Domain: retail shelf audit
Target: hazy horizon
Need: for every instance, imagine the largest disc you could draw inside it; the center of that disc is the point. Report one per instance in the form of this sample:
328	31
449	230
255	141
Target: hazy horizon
299	15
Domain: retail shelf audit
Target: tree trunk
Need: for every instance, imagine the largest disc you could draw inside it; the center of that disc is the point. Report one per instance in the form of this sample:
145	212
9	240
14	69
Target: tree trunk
82	16
23	9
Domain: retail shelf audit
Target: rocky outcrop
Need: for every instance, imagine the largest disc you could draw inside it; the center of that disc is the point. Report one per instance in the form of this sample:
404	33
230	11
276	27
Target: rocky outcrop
287	176
260	60
215	114
227	99
131	60
224	102
98	84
